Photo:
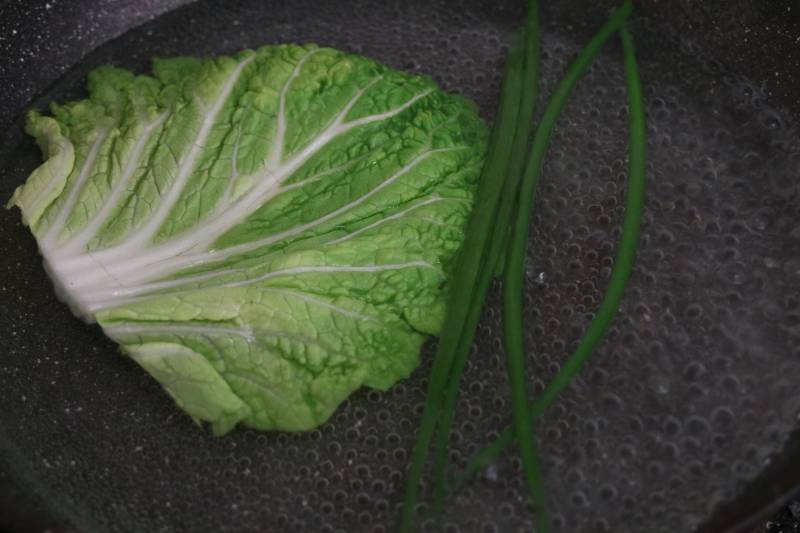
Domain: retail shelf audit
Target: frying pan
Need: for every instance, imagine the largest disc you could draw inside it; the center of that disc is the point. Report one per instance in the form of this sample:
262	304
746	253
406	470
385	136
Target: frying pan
683	419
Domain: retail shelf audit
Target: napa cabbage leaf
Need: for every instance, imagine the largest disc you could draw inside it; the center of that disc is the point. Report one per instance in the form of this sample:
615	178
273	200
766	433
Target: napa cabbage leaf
263	233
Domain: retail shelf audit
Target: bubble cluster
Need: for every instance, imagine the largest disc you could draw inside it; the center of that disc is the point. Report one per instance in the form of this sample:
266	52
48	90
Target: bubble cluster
689	395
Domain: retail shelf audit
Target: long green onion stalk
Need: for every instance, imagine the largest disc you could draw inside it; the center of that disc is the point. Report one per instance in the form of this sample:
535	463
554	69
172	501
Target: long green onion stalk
513	280
470	263
623	266
505	198
522	134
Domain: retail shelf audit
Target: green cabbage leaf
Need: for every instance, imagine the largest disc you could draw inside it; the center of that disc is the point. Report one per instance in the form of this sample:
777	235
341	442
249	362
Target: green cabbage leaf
263	233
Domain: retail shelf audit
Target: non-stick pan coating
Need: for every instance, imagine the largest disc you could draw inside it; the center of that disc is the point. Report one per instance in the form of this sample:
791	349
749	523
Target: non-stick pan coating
686	401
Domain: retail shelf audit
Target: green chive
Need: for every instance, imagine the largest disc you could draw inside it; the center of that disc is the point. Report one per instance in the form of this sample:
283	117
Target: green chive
464	279
620	274
527	101
514	279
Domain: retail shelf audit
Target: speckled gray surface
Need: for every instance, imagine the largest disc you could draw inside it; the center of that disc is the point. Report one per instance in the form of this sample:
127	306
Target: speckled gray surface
63	32
683	404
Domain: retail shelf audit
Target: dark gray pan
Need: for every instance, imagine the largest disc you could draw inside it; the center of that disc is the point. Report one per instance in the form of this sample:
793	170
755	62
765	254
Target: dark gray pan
689	399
